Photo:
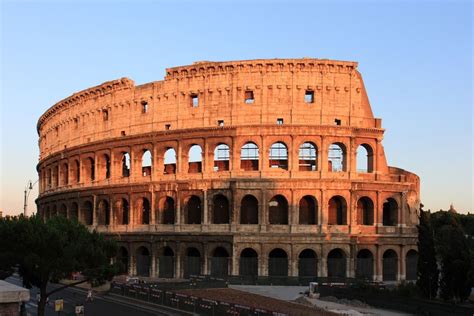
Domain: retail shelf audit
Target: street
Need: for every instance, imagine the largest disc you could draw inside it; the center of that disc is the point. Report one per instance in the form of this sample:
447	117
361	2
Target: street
102	304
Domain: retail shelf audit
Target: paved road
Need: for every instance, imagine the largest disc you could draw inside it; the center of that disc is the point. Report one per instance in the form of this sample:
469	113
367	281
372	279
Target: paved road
101	305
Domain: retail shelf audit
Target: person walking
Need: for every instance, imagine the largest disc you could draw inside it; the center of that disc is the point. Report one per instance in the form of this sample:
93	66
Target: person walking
89	296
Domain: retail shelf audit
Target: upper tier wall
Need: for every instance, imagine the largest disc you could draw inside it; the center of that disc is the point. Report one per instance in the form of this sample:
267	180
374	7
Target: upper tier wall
279	86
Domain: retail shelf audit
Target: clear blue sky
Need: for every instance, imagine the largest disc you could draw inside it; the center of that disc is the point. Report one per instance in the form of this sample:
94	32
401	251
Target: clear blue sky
415	57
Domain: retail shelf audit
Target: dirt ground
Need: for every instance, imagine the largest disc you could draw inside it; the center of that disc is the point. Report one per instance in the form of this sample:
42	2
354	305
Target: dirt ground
253	300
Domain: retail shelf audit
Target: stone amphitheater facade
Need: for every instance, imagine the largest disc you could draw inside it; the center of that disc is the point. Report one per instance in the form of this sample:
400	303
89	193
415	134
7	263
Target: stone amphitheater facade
259	167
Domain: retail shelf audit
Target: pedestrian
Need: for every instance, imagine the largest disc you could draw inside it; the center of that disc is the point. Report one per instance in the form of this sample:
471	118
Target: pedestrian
89	295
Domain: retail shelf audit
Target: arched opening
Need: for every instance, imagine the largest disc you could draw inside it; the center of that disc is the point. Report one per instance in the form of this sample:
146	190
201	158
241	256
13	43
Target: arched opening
337	212
278	263
146	163
123	211
63	210
143	262
411	263
106	161
365	265
123	259
77	171
56	176
64	174
365	158
249	157
46	213
220	210
87	211
278	210
336	264
220	262
48	178
390	212
89	166
125	164
390	265
74	213
192	262
308	211
365	211
104	213
248	265
195	159
307	157
166	263
166	211
221	158
193	211
145	212
307	263
337	158
170	161
278	157
54	211
249	210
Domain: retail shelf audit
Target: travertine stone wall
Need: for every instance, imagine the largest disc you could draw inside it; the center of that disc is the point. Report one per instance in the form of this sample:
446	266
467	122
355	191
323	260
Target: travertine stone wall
84	137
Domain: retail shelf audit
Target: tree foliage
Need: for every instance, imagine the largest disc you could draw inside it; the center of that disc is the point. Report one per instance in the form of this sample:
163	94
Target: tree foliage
49	251
427	267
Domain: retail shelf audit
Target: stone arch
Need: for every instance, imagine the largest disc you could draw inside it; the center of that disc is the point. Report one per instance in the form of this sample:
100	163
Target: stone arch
192	262
249	157
365	158
308	210
124	259
307	157
411	265
336	263
89	168
143	211
307	263
278	156
122	211
278	210
365	211
337	157
76	171
74	212
249	210
220	209
166	210
248	262
126	164
390	265
195	159
63	210
106	165
103	209
390	212
365	265
220	262
169	161
166	262
278	262
221	157
337	211
146	163
64	176
87	216
193	210
143	261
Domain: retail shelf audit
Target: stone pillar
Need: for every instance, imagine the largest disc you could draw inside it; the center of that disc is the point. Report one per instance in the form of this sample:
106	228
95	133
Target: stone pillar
132	269
235	158
235	263
263	264
293	265
323	214
378	264
178	218
323	157
152	206
94	211
206	266
352	154
401	264
263	155
153	266
180	160
178	271
205	208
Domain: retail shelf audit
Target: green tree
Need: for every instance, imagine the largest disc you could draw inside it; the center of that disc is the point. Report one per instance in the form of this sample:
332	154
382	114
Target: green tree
47	251
427	267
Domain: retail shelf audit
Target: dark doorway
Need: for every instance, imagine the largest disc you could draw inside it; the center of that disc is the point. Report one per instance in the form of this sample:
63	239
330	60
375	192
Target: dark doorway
307	263
278	263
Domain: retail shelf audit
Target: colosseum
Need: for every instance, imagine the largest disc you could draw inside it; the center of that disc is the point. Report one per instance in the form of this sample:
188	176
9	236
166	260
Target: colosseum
252	168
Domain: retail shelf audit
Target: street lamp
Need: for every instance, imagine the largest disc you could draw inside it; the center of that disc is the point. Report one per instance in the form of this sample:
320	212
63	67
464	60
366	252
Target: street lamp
28	188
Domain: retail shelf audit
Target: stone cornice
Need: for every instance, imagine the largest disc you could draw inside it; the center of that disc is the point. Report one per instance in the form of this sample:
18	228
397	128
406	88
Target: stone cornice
260	65
99	90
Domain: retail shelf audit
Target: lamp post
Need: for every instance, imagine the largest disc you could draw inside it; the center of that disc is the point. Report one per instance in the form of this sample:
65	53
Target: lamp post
28	188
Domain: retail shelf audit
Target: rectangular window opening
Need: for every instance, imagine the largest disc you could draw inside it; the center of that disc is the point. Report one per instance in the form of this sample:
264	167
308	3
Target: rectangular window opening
122	133
167	127
194	100
220	123
279	121
144	107
105	115
337	121
309	96
249	99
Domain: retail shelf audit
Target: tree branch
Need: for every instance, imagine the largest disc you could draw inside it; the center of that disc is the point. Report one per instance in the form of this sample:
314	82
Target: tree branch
66	286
